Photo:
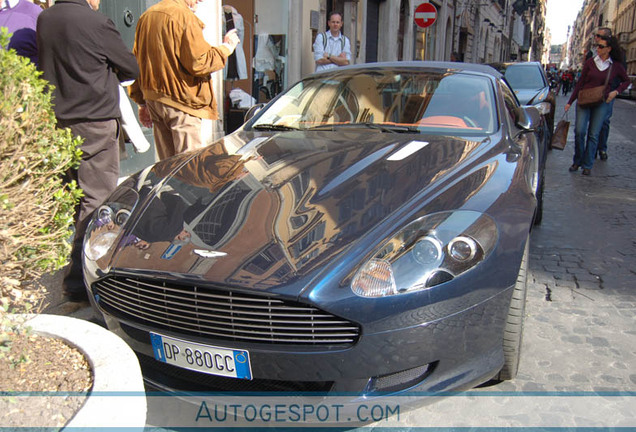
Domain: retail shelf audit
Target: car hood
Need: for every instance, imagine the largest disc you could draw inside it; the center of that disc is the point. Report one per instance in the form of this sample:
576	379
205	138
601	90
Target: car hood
259	211
532	96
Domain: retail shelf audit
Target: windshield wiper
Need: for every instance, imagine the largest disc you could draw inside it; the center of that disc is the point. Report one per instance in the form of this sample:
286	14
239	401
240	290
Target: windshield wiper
328	126
273	127
380	127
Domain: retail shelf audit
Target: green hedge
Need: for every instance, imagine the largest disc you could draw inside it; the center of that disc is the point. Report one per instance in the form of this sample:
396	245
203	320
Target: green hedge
36	206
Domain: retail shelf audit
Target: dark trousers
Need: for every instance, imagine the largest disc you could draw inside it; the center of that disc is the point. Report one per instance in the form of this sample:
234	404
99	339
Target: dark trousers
97	176
604	135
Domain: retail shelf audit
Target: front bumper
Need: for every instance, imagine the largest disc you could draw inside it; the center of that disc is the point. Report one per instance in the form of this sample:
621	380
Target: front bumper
455	352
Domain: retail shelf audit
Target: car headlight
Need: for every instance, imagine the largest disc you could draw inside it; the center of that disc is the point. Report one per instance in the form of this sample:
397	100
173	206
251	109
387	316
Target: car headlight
429	251
543	107
108	222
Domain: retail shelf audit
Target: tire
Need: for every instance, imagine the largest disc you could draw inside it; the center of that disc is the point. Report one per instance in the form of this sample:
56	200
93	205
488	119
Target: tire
513	330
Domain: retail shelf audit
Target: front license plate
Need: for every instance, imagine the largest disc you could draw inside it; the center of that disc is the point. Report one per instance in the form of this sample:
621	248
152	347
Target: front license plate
203	358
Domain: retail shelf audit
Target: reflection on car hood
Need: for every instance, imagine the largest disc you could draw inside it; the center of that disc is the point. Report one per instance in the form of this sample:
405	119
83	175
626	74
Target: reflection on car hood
262	210
530	96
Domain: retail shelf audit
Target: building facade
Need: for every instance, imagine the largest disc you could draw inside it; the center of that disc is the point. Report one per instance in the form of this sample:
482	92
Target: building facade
625	30
618	15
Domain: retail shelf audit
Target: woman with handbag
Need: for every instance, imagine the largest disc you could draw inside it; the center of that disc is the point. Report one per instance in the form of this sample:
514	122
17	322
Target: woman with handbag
593	99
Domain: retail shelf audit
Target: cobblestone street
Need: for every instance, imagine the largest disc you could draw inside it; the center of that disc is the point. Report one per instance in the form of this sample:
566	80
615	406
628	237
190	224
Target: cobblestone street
582	302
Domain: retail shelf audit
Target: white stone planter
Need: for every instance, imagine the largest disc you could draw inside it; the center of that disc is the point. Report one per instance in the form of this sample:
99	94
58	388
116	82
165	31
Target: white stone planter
117	399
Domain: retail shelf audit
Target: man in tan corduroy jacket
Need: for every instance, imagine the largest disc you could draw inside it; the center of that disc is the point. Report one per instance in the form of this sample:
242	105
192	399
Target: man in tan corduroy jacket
174	88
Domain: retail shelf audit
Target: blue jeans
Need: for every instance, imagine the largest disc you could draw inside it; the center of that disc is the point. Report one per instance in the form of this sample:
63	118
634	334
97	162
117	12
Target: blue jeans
589	121
602	138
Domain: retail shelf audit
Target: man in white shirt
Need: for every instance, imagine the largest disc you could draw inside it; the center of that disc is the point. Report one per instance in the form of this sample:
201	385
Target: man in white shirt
332	48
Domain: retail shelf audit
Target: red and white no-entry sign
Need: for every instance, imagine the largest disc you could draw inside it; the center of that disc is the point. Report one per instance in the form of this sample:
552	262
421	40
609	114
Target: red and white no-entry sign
425	15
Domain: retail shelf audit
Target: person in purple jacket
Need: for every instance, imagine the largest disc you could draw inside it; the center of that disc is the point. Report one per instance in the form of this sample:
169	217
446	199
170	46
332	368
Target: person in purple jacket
20	18
590	119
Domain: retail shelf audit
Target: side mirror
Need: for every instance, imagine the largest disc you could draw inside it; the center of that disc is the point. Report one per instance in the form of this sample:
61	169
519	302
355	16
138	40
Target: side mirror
528	118
253	111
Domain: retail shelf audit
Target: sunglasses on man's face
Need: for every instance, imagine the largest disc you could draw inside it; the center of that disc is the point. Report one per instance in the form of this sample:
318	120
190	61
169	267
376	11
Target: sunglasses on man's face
601	46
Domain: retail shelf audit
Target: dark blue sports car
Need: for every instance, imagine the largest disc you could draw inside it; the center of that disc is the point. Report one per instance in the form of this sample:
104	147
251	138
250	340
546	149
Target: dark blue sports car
365	232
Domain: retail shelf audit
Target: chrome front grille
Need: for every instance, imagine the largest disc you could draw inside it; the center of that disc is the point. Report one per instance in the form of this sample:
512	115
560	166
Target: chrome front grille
216	313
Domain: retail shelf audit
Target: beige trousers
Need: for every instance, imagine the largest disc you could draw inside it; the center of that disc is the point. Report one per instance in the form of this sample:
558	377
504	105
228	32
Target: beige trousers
176	131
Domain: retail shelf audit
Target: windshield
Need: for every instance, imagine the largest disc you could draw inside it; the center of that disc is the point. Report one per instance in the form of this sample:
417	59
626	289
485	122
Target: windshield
386	100
525	77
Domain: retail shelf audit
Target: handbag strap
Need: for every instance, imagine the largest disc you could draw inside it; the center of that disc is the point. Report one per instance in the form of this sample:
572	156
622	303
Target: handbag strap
609	72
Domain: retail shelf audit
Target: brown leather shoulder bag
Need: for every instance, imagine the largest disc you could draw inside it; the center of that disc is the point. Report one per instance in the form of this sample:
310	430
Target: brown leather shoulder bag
591	97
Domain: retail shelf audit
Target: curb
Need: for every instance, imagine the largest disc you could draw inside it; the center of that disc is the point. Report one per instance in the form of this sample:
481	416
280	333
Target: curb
115	370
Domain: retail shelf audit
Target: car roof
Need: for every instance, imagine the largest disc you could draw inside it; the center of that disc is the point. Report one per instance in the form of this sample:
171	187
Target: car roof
504	65
440	65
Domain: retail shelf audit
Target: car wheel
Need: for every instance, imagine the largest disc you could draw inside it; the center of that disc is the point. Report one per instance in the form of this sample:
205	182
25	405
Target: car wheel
514	322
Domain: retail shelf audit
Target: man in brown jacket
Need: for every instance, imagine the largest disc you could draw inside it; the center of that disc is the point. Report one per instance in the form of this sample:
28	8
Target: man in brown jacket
174	88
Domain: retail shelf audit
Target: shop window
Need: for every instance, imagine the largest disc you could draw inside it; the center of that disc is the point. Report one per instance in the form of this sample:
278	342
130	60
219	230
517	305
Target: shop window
269	66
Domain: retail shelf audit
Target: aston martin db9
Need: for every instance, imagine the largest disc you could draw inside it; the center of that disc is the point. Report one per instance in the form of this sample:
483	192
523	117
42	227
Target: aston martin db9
366	232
